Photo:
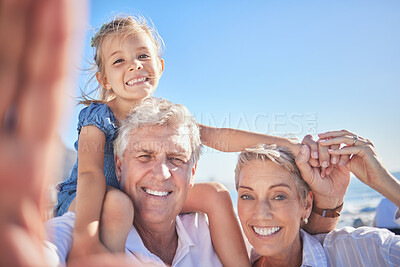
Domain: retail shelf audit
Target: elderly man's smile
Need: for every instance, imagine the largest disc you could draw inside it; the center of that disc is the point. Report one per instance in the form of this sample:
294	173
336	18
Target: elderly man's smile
156	192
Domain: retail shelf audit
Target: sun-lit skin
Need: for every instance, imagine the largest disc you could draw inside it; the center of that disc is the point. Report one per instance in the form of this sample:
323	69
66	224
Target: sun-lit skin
156	172
270	210
132	67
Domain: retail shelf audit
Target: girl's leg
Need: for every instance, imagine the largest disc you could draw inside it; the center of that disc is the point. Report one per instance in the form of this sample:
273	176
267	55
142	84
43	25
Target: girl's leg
116	220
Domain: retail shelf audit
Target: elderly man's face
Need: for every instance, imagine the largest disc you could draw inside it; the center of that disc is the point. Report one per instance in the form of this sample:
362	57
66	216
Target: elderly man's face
156	172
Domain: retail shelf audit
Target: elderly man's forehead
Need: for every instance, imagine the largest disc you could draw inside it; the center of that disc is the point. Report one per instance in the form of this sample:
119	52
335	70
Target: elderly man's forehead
154	138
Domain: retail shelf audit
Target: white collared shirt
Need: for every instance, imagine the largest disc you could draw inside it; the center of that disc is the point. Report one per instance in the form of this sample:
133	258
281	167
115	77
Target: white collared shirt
364	246
194	242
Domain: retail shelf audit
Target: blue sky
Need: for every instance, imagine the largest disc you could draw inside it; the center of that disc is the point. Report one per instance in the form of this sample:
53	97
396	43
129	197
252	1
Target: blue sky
275	67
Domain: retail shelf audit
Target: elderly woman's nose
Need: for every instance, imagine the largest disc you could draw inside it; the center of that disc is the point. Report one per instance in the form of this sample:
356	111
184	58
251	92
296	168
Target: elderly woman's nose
263	210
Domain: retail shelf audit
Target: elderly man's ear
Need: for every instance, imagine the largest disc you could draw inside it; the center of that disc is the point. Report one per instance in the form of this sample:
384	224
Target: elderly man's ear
192	177
118	165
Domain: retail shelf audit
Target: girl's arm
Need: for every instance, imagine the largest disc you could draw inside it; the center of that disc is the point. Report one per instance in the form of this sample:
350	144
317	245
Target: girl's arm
232	140
214	200
91	189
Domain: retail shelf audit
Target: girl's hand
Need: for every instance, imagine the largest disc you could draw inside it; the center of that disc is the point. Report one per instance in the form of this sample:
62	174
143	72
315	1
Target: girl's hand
319	156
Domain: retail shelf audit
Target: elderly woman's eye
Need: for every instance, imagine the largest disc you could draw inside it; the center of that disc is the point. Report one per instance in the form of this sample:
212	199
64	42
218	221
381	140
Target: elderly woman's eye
280	197
246	197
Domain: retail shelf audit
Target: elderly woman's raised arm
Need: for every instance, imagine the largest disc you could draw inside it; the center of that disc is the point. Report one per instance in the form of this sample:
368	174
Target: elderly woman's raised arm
364	163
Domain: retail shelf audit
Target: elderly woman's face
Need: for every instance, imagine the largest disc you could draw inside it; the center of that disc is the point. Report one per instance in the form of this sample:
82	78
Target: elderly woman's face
269	208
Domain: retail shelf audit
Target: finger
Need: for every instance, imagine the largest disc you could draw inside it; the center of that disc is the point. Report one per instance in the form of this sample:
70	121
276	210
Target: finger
13	26
348	150
348	140
47	64
37	100
344	159
334	158
303	164
331	134
309	141
324	159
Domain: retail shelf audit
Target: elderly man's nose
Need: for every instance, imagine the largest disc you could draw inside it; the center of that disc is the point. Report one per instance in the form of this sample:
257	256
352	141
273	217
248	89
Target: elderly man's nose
161	171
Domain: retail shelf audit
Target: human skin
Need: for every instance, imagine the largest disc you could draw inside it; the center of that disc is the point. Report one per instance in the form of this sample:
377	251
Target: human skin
156	172
271	210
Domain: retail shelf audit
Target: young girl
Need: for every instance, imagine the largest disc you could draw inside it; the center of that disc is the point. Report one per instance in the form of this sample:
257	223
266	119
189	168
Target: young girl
129	66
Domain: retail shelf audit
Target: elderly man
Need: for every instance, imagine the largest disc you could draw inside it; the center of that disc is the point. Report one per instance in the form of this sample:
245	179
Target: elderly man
156	153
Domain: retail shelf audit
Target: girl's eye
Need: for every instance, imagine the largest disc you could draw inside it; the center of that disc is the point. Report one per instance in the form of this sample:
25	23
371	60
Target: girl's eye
143	56
246	197
118	61
280	197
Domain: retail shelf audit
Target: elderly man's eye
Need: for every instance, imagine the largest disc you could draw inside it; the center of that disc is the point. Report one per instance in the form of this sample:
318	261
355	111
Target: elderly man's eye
246	197
144	157
177	161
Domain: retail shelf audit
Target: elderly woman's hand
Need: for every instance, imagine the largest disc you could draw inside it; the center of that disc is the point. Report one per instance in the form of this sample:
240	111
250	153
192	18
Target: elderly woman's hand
359	156
328	191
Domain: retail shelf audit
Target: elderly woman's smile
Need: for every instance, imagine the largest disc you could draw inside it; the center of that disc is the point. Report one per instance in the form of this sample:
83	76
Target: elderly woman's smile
270	209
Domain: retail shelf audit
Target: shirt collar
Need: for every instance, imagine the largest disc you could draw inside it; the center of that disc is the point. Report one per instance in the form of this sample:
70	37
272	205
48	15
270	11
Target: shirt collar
135	245
313	252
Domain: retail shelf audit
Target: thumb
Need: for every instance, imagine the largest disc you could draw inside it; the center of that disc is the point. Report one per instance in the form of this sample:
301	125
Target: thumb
302	163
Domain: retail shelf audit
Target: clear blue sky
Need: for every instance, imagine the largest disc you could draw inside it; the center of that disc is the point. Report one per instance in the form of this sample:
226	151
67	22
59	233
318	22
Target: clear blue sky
276	67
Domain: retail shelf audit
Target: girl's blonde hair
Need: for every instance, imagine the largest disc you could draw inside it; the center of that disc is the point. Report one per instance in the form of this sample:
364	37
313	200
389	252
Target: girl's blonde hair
122	25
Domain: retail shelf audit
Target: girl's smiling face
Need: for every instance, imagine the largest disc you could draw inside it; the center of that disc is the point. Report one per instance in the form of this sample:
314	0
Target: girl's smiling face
270	209
132	68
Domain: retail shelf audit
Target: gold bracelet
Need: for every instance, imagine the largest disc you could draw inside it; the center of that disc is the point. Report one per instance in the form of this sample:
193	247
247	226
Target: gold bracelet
328	213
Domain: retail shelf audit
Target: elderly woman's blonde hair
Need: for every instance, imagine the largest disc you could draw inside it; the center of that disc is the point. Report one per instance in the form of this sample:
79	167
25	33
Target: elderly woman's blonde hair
121	26
281	156
154	111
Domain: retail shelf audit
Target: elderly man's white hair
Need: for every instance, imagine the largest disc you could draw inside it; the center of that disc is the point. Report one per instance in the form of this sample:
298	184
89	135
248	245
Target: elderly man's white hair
159	112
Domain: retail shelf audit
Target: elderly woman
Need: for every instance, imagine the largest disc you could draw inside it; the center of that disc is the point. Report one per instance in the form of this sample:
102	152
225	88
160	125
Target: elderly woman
274	201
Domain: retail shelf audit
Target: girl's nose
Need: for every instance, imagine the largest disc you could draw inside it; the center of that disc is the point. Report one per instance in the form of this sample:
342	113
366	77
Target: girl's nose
135	65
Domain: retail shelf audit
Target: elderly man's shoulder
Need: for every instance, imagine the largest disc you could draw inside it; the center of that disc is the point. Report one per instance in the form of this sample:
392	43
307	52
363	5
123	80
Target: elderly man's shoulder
59	236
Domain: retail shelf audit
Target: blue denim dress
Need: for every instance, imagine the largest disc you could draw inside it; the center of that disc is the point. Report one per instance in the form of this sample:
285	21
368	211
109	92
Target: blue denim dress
101	116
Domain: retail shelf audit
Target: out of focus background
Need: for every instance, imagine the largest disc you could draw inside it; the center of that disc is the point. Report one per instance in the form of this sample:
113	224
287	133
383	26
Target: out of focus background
286	68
